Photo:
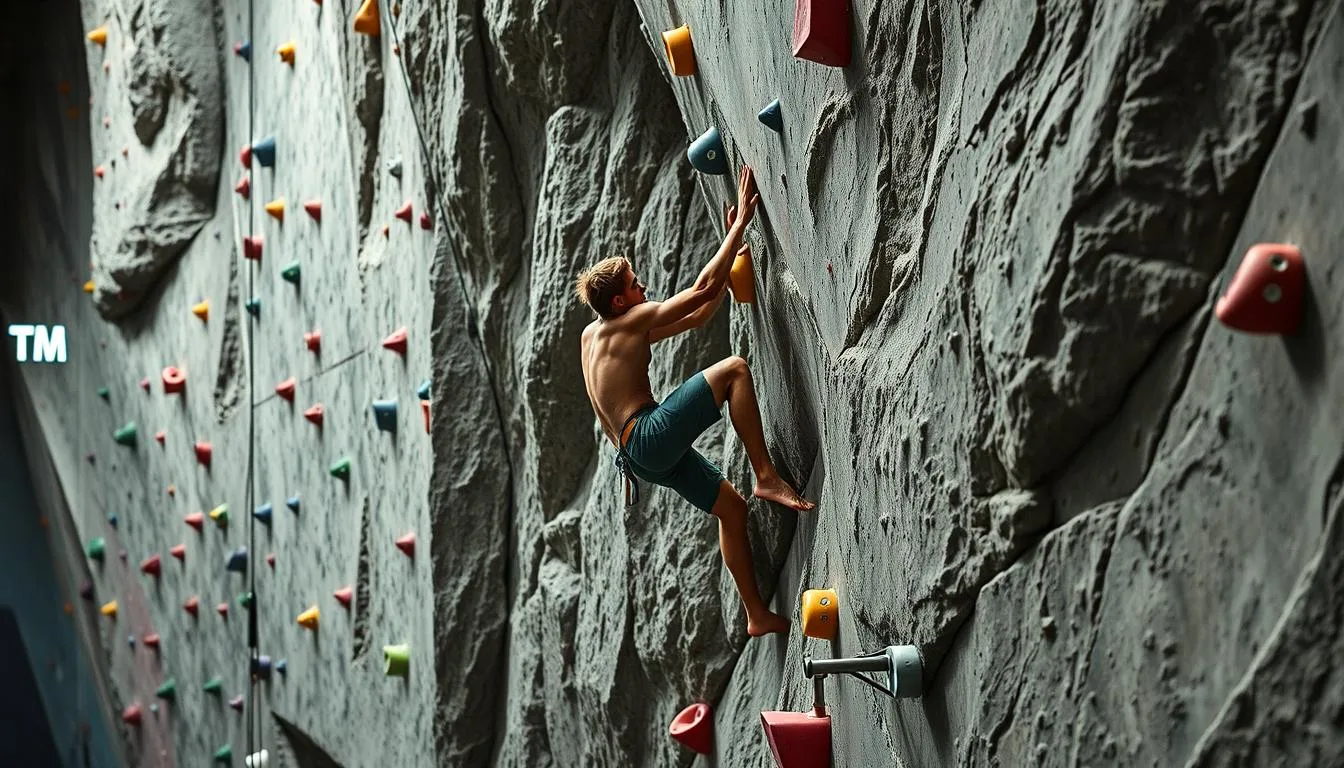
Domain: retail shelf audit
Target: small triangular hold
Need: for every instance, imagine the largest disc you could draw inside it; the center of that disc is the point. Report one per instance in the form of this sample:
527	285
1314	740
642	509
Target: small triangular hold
313	341
214	685
104	393
291	272
314	414
286	51
96	549
263	513
309	618
125	435
179	551
385	415
282	666
407	544
86	590
168	690
367	21
425	221
109	609
276	208
151	640
172	489
285	388
386	230
220	515
99	171
204	452
293	503
192	606
253	307
243	50
245	155
270	560
265	151
89	286
144	383
223	610
244	188
224	755
314	209
252	247
112	519
423	391
344	595
394	167
341	469
98	35
152	565
237	561
195	520
236	703
405	213
130	641
201	309
396	341
131	715
771	118
245	600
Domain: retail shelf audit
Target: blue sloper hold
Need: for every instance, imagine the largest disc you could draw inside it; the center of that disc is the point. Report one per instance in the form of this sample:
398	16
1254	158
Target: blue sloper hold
282	666
771	118
243	49
264	151
263	513
112	519
253	307
293	503
237	560
423	391
385	414
707	154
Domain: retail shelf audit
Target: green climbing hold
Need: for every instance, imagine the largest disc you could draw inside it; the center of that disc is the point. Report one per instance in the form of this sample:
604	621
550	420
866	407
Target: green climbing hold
291	272
167	691
253	307
224	754
125	435
245	600
397	660
214	685
341	469
103	393
96	550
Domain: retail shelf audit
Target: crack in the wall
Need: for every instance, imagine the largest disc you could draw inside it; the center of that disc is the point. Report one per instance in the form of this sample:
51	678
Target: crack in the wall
227	385
360	644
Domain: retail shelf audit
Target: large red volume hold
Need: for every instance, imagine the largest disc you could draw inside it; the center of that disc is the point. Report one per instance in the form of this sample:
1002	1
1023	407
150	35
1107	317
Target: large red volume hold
694	727
821	31
1266	293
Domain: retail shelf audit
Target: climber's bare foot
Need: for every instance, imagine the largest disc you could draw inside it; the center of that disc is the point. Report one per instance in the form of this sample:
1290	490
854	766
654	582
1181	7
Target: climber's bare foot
766	624
776	490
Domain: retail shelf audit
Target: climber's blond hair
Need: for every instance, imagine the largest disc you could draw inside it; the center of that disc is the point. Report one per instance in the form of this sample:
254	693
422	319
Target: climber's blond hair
602	282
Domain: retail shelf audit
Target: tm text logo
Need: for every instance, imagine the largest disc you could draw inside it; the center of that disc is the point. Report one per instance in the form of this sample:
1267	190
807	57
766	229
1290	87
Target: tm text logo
48	342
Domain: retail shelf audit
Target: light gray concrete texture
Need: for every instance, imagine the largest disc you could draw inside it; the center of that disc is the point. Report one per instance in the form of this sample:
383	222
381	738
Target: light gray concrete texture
986	262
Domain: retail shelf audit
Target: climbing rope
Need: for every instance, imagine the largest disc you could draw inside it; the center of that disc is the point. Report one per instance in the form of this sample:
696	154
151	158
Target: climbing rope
253	615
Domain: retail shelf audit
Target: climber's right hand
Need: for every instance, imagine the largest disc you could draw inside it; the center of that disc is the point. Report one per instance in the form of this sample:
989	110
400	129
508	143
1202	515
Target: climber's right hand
747	198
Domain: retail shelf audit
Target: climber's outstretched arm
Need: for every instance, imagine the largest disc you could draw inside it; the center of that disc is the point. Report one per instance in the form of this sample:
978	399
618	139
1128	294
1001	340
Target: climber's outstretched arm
693	320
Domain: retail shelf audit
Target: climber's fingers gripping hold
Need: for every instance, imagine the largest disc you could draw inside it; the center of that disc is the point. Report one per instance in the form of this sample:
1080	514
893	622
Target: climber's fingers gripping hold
746	196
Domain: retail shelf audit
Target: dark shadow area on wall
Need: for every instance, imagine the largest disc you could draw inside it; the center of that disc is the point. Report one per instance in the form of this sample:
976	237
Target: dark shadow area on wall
25	733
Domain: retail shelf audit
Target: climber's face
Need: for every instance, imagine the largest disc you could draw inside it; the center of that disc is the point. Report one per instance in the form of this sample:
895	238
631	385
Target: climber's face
633	294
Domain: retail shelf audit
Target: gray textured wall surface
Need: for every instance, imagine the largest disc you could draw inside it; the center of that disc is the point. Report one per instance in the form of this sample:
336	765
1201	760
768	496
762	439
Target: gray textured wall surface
985	266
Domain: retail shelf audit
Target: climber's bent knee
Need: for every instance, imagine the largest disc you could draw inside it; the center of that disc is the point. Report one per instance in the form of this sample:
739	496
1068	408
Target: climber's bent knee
729	504
722	374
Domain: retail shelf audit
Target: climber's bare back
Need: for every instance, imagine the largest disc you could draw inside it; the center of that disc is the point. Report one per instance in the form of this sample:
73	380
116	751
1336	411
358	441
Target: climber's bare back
616	367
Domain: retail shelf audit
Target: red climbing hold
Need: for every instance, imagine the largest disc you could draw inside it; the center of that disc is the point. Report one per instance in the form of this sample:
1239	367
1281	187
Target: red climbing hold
270	560
99	171
425	222
222	609
314	414
285	388
821	31
179	551
694	727
314	209
152	565
245	155
1265	295
344	595
252	247
144	383
174	380
204	451
404	212
396	342
151	640
192	606
313	340
131	715
195	520
424	410
244	187
407	544
160	437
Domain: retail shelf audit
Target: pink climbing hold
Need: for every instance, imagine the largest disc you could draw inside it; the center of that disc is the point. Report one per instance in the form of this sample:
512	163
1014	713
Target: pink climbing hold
244	187
345	595
223	610
160	437
152	566
313	341
285	389
144	383
425	222
195	520
237	702
404	212
99	171
314	414
396	342
131	715
252	247
192	606
694	728
407	544
204	452
125	151
314	209
270	560
174	380
245	155
179	551
151	640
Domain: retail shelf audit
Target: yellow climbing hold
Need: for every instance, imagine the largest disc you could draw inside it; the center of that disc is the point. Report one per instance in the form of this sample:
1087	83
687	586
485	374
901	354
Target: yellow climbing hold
680	53
109	609
740	278
820	613
201	310
88	286
367	21
277	209
308	619
98	36
286	51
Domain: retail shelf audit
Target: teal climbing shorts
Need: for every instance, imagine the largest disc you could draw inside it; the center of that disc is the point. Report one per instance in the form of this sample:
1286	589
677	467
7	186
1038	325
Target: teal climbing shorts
659	449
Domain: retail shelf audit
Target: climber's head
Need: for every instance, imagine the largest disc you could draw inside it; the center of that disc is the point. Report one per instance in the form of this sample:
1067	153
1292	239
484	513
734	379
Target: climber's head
610	287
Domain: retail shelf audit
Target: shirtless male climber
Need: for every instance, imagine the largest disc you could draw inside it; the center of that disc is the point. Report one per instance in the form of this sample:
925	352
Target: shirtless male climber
655	438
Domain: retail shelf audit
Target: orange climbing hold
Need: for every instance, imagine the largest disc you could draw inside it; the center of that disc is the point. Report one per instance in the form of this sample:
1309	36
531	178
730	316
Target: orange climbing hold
407	544
367	21
286	51
314	414
244	187
276	208
195	520
192	606
396	341
314	209
740	278
252	247
313	341
820	611
309	618
109	609
89	286
201	310
680	52
1266	293
174	380
98	36
345	595
285	388
179	551
404	212
152	566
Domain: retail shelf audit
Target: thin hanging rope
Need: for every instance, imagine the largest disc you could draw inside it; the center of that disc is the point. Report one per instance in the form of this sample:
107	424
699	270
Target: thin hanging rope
254	710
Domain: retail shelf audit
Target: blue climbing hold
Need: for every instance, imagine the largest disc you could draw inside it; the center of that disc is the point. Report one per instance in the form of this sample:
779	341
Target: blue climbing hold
237	561
707	154
243	50
263	513
253	307
771	118
282	666
264	151
130	640
112	519
293	503
385	414
423	391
